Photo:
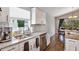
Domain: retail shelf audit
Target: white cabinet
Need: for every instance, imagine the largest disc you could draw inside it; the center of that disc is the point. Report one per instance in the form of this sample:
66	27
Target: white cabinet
38	16
71	45
11	48
15	47
77	45
4	16
21	46
32	44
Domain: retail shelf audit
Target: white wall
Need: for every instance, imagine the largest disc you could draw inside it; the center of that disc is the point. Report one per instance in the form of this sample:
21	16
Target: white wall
50	22
19	13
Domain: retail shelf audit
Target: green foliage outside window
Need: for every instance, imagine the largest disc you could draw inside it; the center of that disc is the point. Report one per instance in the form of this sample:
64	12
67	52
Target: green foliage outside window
71	24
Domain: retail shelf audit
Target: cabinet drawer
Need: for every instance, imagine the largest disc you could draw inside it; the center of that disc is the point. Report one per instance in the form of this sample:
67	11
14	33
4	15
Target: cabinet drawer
70	41
70	47
11	48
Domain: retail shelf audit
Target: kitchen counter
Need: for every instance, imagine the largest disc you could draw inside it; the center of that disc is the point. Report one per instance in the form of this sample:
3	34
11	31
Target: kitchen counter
16	41
39	33
72	35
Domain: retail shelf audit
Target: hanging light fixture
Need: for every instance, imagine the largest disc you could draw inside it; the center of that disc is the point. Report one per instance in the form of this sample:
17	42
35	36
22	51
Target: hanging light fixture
73	16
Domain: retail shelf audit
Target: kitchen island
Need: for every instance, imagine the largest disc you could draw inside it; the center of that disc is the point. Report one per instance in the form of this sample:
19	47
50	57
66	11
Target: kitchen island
72	34
71	40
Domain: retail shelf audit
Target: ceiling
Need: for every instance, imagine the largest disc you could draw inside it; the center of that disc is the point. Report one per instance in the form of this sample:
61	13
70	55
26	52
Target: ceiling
58	11
25	8
54	11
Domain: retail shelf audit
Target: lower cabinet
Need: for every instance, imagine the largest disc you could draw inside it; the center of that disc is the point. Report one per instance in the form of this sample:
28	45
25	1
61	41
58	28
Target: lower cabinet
27	45
11	48
32	45
15	47
43	42
21	46
71	45
77	45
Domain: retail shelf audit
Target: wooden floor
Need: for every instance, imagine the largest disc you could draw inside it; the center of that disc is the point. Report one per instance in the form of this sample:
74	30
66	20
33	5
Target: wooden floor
55	45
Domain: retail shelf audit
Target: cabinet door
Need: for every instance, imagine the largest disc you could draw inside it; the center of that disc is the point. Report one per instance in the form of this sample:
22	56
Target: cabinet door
33	15
43	42
11	48
43	18
40	16
4	14
70	45
21	46
32	44
77	45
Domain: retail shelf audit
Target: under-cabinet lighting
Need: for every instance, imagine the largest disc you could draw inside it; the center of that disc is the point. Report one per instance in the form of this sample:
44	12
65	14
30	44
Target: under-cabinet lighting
72	17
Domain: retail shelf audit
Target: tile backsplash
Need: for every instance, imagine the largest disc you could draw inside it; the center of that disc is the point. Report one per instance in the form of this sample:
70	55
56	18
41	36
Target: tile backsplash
38	28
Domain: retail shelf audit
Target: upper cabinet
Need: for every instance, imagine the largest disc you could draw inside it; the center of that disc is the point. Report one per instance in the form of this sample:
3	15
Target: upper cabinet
4	14
37	16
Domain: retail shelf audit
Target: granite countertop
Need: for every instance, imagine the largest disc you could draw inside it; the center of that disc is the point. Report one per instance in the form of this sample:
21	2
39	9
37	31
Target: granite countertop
72	35
16	41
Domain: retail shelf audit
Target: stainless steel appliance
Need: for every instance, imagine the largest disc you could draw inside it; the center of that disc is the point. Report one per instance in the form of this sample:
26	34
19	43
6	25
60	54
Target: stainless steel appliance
5	34
62	36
